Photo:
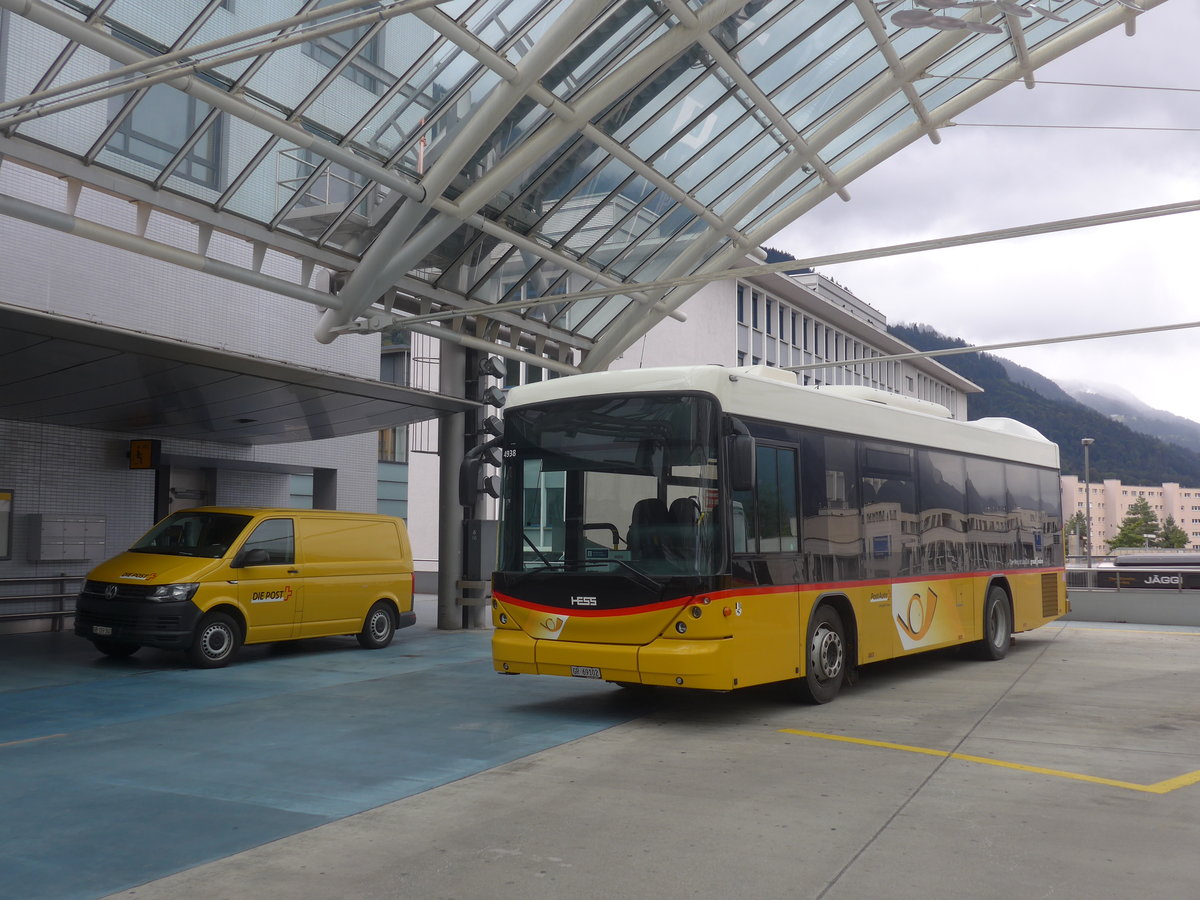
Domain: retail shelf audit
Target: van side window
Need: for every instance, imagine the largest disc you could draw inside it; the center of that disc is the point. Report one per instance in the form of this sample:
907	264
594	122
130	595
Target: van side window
276	537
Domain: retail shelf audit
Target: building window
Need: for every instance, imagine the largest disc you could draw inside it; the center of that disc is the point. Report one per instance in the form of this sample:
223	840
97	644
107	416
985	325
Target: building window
160	124
393	444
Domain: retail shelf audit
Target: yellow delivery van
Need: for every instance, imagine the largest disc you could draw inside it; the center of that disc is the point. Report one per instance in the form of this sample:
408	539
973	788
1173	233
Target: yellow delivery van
208	580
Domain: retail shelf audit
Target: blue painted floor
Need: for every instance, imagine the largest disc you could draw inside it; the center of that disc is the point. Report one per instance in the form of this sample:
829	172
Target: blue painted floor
115	772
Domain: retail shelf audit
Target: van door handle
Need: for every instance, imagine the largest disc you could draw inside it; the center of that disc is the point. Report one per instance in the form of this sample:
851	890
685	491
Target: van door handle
293	571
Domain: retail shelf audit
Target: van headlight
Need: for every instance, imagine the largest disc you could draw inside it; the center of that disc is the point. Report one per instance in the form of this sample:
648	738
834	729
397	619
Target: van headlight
173	592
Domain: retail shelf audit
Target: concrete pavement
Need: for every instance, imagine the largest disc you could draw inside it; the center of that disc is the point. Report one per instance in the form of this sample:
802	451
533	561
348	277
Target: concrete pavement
1069	769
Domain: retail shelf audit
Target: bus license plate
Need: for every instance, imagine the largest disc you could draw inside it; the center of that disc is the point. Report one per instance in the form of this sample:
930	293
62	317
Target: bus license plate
585	671
102	630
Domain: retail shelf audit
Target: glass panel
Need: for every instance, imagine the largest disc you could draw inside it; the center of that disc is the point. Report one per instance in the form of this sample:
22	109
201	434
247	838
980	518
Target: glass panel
191	533
620	35
832	532
1051	498
776	507
275	537
612	485
158	127
751	160
803	52
1025	512
989	535
889	510
942	480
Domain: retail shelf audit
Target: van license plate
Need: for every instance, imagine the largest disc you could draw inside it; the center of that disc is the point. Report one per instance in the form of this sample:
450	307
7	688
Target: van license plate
102	630
585	671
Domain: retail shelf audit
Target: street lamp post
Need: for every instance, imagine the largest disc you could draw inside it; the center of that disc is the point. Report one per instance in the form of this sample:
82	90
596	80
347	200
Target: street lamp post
1087	496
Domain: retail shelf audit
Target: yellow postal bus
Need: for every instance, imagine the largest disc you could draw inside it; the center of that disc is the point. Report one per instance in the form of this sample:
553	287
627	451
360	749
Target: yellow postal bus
717	528
208	580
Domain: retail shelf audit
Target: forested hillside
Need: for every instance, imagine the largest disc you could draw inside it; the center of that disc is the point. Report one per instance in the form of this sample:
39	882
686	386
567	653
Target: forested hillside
1118	451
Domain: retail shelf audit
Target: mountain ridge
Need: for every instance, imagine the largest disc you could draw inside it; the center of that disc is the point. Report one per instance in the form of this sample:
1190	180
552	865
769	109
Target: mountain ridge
1132	455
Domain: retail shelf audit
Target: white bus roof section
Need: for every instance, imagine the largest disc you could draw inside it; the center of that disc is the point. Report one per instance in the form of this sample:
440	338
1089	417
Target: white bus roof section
763	393
466	168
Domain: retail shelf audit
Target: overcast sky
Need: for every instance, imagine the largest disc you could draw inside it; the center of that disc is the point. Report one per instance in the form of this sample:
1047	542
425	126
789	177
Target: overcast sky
1099	279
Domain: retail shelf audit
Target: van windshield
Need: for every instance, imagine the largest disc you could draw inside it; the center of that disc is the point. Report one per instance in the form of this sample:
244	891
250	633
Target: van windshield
193	533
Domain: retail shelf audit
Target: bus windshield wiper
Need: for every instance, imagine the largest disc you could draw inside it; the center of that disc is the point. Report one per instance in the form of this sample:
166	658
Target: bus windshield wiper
542	556
638	574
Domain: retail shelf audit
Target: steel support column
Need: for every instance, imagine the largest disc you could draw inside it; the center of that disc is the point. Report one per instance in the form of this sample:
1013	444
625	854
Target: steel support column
452	378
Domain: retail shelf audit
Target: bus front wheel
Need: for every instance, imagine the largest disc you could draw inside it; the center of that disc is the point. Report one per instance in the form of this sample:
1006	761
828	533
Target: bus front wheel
997	625
826	662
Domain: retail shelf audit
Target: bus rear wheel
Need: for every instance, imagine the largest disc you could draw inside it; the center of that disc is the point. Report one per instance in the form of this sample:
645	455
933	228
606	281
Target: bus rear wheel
997	625
826	662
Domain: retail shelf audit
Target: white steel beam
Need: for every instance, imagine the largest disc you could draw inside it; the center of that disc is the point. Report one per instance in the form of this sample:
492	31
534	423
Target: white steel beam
548	99
185	60
870	13
635	321
392	251
116	49
764	103
550	135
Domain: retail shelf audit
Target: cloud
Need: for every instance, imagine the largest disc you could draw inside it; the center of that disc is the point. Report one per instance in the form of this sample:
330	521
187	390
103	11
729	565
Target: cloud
983	177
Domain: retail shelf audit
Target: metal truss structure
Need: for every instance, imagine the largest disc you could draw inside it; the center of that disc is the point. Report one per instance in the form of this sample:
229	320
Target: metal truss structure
544	179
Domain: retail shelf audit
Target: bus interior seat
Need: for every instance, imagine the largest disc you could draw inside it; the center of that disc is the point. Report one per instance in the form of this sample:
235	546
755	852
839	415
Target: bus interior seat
684	516
649	518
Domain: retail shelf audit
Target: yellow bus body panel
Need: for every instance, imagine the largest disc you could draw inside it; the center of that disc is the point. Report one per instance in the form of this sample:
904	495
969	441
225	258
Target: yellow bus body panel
740	638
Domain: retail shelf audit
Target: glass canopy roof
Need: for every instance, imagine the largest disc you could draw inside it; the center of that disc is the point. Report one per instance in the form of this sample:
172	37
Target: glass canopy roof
499	157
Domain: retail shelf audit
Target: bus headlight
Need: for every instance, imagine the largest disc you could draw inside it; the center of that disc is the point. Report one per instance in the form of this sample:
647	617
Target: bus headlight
681	627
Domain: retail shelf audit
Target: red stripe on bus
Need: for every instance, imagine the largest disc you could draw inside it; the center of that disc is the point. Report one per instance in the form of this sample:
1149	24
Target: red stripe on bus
759	591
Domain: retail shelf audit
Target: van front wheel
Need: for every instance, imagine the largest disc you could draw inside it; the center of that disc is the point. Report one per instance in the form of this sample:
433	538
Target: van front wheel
379	627
217	639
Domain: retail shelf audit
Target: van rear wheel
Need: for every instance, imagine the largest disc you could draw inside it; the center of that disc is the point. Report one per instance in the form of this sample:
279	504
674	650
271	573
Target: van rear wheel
379	627
217	639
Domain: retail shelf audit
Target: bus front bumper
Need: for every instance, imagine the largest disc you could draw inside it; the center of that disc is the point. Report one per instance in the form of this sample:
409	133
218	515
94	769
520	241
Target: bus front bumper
703	664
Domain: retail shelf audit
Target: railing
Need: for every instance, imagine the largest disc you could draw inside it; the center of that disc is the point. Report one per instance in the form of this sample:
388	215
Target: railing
52	598
1117	578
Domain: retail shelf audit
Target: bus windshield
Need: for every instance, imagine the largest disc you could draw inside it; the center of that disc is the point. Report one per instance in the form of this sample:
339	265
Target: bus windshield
193	533
620	484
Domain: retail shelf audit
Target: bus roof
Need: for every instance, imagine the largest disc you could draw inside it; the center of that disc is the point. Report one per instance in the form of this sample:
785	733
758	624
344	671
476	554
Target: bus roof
772	394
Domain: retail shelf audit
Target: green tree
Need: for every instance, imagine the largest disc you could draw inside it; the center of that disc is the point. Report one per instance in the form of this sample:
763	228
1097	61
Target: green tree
1077	524
1171	535
1138	522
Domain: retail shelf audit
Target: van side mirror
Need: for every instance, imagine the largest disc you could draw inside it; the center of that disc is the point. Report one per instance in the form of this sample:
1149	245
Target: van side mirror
741	462
256	557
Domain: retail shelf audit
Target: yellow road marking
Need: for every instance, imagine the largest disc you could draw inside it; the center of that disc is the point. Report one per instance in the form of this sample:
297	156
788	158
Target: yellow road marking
44	737
1160	787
